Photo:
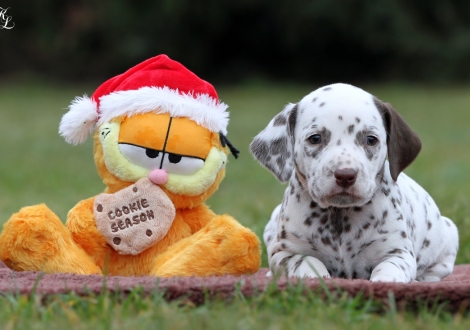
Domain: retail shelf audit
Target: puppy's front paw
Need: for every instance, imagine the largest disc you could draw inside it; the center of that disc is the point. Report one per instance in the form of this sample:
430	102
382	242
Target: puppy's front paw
389	272
388	278
307	267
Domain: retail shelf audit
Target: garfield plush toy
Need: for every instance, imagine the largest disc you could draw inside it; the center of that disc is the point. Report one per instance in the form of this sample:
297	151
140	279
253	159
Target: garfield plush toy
160	147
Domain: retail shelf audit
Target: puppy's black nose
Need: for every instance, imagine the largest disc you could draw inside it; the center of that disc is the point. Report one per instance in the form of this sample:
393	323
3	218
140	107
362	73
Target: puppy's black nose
345	177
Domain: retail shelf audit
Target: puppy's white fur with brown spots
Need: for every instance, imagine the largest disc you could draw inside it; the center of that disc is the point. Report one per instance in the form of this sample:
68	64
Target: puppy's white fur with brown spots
348	211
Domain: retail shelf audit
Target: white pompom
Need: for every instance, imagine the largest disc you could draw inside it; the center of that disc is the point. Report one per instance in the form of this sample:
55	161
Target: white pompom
80	121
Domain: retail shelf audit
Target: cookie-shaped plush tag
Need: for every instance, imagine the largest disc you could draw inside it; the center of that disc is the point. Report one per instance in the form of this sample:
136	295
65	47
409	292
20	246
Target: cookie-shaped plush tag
134	218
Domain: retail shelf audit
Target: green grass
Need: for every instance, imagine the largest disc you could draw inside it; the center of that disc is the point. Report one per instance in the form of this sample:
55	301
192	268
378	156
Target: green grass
37	166
293	308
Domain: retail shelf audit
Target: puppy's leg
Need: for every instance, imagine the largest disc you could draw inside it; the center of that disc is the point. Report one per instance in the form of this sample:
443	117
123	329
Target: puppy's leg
270	232
297	265
439	270
444	265
395	268
287	263
271	228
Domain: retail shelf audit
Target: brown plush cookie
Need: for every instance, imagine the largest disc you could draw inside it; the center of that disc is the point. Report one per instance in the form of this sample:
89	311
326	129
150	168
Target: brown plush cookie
135	218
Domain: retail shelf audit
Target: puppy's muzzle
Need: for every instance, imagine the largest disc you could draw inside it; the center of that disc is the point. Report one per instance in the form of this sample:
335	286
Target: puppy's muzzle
345	177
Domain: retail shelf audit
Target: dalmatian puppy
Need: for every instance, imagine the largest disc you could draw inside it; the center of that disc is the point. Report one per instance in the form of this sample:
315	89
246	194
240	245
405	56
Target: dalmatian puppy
348	211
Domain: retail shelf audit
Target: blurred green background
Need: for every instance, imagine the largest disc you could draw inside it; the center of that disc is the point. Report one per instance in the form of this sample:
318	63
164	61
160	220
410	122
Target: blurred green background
259	55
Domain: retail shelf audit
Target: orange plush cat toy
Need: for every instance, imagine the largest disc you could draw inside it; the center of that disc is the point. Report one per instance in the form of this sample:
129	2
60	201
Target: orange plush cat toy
160	147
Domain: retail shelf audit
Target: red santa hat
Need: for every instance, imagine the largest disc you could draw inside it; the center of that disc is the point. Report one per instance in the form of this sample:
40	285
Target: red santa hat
158	85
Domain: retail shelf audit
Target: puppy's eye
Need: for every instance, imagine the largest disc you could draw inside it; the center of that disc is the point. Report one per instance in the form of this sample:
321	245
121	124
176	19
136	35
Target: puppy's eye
315	139
371	140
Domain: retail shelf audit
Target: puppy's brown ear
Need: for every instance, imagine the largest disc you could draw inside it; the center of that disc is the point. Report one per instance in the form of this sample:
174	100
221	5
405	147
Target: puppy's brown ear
402	142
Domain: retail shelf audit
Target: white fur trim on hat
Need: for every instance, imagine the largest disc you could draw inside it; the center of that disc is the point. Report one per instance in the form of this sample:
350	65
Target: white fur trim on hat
201	108
83	116
80	121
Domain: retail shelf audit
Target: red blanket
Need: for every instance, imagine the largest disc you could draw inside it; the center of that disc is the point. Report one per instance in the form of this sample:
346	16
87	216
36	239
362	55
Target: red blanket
454	289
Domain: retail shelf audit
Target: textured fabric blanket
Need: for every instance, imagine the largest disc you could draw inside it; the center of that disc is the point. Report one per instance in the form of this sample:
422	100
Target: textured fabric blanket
454	289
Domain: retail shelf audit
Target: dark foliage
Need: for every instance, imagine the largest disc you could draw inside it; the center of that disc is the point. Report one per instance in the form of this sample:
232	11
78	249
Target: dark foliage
307	40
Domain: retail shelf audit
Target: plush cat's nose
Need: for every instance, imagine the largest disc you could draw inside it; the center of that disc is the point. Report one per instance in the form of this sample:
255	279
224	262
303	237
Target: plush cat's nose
158	176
